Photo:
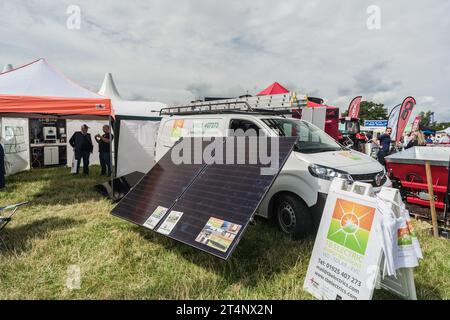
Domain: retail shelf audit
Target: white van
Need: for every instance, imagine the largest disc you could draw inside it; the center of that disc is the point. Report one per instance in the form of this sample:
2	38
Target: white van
297	198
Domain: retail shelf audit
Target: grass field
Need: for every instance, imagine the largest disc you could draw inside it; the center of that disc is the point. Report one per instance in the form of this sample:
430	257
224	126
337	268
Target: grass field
68	223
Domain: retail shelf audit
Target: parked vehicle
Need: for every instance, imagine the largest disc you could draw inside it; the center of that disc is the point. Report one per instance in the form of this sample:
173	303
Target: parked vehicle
297	197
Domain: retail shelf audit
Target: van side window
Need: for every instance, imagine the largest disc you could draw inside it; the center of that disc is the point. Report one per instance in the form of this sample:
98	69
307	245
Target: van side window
249	128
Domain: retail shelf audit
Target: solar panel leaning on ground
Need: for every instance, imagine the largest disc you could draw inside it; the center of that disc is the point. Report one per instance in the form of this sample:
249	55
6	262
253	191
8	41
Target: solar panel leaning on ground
209	205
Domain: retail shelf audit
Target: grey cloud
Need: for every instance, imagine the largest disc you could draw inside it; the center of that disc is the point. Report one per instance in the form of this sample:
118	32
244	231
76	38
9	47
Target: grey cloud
313	92
201	90
138	97
344	91
172	53
116	36
374	79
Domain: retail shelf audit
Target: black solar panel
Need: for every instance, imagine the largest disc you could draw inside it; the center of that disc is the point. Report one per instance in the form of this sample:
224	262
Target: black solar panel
217	202
159	189
221	202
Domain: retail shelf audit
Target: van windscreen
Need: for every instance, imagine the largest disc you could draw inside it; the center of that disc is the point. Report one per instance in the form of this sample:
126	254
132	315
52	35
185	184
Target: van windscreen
311	139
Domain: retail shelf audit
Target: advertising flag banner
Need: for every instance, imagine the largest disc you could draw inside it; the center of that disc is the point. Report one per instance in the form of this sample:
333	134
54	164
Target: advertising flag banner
353	108
393	119
347	253
403	116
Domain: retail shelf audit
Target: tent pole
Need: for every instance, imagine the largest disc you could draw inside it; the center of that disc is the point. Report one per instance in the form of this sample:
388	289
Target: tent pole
111	154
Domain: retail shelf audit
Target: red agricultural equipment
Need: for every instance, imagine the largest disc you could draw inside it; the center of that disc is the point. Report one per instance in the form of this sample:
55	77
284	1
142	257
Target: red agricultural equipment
351	133
352	130
407	171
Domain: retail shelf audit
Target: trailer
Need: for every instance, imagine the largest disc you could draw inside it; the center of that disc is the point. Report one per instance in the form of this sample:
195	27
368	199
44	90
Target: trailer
407	170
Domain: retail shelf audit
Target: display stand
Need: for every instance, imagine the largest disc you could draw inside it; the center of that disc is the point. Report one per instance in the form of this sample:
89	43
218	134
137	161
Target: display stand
347	259
403	285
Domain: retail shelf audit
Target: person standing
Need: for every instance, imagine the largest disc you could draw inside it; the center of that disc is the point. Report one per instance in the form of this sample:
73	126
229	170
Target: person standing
2	167
445	138
384	141
82	143
417	139
406	139
104	149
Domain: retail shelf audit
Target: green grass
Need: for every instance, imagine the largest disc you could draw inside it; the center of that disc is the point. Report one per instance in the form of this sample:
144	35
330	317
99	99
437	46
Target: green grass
68	223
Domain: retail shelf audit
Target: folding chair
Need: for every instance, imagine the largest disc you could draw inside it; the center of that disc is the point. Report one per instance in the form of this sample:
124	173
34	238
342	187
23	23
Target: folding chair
4	220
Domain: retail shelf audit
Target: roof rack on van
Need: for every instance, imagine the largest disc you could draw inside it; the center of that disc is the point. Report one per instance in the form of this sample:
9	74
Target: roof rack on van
206	107
270	104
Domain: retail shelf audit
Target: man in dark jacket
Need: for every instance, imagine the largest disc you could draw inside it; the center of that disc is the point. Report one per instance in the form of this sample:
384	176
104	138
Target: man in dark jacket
104	142
2	167
81	142
384	141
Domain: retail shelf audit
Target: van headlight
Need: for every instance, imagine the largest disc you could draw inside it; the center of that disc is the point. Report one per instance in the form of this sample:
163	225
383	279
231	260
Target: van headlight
327	173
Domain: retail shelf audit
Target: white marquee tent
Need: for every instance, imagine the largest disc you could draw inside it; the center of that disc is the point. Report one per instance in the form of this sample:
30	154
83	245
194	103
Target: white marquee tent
7	67
136	125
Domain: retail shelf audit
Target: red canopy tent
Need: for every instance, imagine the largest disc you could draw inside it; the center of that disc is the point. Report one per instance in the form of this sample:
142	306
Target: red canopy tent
274	88
313	104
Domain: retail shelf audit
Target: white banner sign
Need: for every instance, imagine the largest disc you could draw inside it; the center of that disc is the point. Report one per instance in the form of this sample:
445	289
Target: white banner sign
346	255
14	136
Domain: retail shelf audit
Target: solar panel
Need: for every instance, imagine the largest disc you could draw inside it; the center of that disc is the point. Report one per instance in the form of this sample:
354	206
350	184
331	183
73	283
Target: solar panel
221	202
157	191
217	202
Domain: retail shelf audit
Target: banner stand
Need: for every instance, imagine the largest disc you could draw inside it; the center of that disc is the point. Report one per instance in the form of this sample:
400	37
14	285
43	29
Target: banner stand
403	286
347	261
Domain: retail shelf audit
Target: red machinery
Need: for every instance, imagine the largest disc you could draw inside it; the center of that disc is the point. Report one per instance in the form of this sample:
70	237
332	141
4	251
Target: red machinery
408	169
352	130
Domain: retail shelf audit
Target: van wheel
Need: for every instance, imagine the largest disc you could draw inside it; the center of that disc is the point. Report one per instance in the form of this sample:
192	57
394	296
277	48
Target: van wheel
293	216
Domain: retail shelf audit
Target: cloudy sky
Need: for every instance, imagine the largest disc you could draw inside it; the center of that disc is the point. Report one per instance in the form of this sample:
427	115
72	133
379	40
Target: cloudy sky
173	51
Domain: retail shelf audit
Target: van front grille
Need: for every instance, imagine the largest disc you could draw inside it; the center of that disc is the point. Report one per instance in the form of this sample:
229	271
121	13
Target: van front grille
369	178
